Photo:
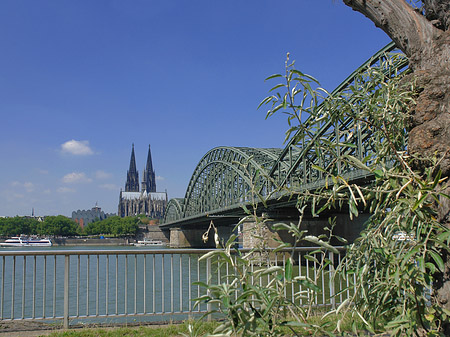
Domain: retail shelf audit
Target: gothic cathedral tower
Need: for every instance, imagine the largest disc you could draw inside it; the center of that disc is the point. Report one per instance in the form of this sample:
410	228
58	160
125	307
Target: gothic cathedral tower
132	184
149	180
148	202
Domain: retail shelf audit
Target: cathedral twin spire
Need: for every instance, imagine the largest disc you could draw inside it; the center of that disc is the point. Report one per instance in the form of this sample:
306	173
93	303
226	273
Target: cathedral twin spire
148	180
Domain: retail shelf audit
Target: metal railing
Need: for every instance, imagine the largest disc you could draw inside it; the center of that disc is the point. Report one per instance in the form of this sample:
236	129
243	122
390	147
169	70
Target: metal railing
113	284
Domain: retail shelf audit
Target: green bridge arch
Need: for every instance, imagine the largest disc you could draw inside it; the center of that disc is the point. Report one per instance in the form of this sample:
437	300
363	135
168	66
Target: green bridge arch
229	176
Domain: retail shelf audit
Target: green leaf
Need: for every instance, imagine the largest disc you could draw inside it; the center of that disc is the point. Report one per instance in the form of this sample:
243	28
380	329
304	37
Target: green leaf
378	173
288	270
277	86
318	168
436	179
315	240
271	270
273	76
419	202
356	162
246	210
437	259
353	208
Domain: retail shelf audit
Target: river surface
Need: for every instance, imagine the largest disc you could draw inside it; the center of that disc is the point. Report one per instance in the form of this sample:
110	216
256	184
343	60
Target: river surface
150	284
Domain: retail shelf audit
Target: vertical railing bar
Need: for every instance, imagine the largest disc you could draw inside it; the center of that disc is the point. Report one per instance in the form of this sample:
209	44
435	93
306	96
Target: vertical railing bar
78	284
189	284
260	266
66	290
107	286
331	280
198	280
33	312
44	287
24	275
162	283
54	286
13	290
145	283
2	296
252	272
315	279
88	267
171	283
135	284
208	272
117	277
181	283
292	283
307	276
227	271
153	283
323	280
126	285
97	286
300	275
235	271
347	282
219	281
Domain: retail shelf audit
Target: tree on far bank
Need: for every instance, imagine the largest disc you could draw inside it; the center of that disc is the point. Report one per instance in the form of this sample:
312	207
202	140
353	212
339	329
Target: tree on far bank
114	225
58	226
18	225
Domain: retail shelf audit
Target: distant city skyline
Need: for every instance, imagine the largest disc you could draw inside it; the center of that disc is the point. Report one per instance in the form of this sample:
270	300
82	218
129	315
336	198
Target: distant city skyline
81	81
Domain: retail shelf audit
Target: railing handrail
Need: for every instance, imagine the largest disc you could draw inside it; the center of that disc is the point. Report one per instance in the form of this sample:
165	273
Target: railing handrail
147	251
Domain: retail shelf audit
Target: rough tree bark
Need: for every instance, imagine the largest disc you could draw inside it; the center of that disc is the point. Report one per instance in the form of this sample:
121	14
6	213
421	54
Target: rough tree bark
423	35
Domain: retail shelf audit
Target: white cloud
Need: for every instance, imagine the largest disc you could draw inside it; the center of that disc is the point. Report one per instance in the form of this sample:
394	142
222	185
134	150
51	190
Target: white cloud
110	187
65	190
28	186
102	174
76	177
159	178
12	196
77	147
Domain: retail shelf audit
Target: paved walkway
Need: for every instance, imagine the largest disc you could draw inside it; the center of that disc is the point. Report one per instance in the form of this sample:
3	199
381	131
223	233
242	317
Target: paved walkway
26	328
36	329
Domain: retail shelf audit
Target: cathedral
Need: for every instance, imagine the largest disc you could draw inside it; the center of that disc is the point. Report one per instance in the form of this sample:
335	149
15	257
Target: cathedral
133	202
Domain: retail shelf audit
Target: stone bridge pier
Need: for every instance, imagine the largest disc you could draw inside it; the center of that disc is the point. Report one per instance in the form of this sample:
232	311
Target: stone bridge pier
264	233
193	237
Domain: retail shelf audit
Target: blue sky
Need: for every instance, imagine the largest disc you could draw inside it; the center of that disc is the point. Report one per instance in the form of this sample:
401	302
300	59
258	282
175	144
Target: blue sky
80	81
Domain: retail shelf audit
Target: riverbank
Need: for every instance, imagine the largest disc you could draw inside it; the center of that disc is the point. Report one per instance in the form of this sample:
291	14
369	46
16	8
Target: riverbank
93	241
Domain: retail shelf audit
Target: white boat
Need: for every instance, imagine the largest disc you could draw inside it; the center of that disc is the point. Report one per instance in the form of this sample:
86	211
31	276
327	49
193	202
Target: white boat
149	242
24	241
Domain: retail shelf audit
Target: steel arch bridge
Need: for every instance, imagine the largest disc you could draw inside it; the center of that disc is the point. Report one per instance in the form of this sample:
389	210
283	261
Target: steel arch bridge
228	177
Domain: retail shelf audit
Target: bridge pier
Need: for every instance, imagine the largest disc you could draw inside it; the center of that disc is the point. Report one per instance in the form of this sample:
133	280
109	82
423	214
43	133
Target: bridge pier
265	235
192	238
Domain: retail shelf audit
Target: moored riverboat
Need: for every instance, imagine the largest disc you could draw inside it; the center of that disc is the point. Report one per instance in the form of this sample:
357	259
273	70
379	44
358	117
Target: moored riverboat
24	241
147	242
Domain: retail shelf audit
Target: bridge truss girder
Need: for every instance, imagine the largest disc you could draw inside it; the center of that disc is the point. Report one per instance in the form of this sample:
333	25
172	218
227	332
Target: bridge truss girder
229	176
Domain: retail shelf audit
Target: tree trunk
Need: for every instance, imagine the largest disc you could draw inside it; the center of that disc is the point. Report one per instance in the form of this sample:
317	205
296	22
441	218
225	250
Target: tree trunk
424	37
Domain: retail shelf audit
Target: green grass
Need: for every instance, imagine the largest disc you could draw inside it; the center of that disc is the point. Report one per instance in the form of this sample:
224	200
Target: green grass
176	330
170	330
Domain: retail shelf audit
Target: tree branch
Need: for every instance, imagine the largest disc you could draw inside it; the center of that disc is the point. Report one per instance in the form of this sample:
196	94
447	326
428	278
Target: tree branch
407	27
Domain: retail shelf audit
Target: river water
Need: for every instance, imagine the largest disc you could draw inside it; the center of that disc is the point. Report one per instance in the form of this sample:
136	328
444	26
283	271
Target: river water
154	285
